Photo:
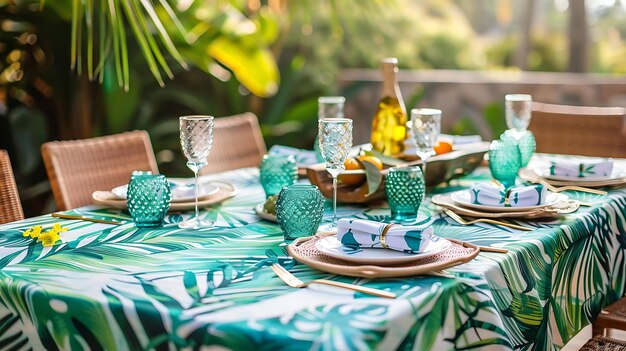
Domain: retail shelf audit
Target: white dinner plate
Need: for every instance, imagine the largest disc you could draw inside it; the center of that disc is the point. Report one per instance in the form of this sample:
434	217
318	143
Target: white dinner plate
181	192
544	172
258	209
463	198
332	247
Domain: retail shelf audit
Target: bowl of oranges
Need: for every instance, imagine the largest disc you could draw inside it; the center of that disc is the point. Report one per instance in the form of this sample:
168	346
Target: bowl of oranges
363	180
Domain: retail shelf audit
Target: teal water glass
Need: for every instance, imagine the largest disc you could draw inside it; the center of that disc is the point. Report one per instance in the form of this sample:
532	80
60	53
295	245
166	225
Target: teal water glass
149	198
405	189
299	210
505	160
277	171
525	141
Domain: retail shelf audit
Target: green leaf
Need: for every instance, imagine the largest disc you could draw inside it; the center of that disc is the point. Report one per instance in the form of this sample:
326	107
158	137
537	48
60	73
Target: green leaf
131	16
191	284
372	175
165	38
254	67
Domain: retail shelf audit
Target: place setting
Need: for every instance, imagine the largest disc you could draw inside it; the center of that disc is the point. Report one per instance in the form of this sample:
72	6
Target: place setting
577	173
148	197
183	195
505	196
400	246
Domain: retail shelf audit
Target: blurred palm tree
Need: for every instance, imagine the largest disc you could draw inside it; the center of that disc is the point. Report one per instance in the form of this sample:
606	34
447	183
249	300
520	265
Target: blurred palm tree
199	33
116	43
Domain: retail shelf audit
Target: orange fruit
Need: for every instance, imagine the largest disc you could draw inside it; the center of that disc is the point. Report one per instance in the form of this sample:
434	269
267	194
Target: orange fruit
373	160
352	179
442	147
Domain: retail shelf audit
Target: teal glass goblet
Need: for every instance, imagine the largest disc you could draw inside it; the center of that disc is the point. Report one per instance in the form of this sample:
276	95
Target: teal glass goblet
405	189
149	198
525	141
277	171
505	160
299	210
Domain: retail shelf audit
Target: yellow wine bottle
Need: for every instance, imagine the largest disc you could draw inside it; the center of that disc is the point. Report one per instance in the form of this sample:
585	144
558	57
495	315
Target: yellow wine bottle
389	124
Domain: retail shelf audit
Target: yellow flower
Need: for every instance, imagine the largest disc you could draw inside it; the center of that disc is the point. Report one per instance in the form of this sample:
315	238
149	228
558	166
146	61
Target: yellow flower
49	238
34	232
58	229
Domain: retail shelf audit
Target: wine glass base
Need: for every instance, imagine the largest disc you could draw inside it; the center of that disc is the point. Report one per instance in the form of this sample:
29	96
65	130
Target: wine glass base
195	224
327	228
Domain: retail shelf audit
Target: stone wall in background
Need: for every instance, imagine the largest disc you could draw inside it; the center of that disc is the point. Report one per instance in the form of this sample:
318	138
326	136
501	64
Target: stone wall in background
473	101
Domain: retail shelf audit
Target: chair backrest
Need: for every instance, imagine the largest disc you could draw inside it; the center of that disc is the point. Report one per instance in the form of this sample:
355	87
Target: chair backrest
77	168
237	143
10	206
579	130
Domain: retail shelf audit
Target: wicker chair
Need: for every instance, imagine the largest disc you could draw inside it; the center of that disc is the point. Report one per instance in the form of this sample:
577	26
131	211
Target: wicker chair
77	168
576	130
600	343
10	206
611	317
238	143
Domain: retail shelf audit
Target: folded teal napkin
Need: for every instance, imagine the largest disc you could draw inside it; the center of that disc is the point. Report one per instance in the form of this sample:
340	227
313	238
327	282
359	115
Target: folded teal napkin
303	157
360	233
493	195
587	168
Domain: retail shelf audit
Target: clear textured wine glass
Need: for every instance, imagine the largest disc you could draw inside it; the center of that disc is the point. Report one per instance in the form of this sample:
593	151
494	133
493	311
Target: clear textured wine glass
518	113
425	126
327	107
330	107
196	139
335	140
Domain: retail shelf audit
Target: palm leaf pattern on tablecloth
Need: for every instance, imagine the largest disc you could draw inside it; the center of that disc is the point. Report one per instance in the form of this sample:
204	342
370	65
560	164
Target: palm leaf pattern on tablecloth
126	288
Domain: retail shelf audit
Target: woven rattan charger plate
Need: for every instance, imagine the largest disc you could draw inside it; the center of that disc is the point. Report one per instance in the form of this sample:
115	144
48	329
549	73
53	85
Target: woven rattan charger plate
225	192
304	251
445	200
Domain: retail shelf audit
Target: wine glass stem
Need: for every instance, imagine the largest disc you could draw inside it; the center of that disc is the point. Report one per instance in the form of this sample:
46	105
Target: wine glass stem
196	192
424	168
334	201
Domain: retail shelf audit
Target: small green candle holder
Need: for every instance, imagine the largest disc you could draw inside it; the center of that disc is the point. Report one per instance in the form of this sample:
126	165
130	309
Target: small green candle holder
299	210
525	141
277	171
405	188
505	160
148	199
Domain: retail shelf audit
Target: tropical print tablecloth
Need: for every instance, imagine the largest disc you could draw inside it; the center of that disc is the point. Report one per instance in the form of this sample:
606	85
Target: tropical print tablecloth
119	287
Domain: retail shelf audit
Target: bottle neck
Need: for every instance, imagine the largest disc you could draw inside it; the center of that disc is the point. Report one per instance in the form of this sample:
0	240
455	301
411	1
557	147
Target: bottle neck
390	82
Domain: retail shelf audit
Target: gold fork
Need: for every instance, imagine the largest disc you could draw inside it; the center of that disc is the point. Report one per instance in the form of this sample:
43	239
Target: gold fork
570	187
294	282
460	220
83	218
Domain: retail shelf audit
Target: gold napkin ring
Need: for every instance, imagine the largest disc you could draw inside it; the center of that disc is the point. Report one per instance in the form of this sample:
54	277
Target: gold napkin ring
384	234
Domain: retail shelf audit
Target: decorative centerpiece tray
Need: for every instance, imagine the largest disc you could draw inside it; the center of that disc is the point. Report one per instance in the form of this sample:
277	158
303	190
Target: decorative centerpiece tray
440	168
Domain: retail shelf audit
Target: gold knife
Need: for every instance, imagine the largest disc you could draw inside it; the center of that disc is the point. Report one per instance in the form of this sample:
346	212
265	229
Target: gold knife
83	218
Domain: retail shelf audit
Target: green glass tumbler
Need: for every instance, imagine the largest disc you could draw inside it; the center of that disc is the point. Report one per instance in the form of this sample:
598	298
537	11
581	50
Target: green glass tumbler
405	188
525	141
148	199
505	160
277	171
299	210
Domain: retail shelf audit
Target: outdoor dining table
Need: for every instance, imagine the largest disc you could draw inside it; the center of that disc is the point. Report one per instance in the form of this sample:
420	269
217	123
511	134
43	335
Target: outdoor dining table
117	287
